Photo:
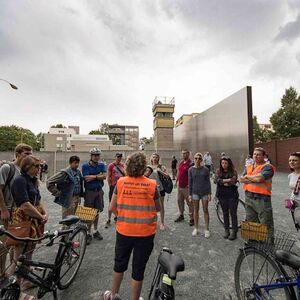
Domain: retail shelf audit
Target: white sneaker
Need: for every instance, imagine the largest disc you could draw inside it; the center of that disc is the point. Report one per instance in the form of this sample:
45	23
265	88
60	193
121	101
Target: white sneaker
207	234
107	295
195	232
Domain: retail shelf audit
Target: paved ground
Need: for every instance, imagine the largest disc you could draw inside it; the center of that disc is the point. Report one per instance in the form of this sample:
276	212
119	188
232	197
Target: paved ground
209	262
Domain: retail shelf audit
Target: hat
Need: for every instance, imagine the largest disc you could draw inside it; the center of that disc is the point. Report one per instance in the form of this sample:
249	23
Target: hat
118	154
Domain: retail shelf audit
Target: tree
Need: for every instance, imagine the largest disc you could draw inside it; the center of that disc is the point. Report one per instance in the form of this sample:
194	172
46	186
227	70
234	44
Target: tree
11	136
260	135
58	126
286	121
146	141
104	129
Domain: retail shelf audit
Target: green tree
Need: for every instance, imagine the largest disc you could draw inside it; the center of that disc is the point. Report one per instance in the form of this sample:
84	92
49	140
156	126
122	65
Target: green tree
261	135
145	140
286	121
12	135
104	129
58	126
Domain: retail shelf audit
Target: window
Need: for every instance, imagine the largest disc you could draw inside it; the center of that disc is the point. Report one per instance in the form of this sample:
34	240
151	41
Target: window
59	138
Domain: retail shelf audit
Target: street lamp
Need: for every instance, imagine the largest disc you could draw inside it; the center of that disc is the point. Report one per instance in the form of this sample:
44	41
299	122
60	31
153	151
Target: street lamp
12	85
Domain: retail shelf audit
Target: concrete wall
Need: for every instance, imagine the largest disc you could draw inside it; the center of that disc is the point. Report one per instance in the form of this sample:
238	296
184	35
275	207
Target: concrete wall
225	127
59	160
279	151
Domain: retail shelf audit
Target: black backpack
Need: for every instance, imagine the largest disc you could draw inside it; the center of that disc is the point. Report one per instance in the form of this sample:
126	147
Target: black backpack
166	182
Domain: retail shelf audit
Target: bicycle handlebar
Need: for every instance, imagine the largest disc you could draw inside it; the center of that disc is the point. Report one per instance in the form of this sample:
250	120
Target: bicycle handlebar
49	235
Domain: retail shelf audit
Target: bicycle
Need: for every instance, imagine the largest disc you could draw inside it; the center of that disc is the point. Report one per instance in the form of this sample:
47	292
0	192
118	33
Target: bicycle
168	265
241	212
259	272
59	275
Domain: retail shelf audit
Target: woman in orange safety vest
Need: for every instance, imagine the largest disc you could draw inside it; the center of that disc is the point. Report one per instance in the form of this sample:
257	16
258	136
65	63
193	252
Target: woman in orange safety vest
135	202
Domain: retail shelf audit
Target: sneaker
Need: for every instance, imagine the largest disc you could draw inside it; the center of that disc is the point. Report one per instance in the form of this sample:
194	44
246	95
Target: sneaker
107	224
207	234
195	232
89	239
191	222
107	295
98	236
180	218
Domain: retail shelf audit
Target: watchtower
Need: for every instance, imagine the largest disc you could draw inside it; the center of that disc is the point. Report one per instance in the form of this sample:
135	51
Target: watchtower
163	123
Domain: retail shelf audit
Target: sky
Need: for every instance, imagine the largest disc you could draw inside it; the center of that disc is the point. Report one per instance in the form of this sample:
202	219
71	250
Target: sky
91	62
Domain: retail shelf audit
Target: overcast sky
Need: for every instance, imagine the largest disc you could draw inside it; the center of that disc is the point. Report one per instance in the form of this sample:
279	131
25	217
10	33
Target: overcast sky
89	62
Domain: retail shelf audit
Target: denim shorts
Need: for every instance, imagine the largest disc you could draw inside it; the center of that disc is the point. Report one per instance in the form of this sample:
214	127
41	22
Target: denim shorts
197	197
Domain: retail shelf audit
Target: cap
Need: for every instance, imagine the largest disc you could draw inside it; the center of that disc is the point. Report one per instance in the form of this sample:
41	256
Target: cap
118	154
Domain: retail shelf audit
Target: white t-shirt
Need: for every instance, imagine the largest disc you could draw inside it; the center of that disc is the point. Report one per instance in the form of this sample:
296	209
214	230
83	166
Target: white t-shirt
292	182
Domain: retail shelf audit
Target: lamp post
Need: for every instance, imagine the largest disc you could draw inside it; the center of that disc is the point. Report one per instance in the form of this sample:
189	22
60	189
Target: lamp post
12	85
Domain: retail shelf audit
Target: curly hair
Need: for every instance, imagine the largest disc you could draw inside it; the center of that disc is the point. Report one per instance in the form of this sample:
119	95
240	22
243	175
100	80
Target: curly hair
136	164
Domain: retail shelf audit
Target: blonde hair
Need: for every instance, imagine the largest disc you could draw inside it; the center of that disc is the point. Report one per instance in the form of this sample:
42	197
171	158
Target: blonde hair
27	162
198	154
154	154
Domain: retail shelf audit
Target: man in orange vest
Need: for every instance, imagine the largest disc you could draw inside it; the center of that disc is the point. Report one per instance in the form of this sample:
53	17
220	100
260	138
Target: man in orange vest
135	202
257	179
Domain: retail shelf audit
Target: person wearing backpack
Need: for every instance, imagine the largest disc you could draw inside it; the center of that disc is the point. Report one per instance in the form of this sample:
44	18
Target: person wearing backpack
115	171
157	170
67	187
8	172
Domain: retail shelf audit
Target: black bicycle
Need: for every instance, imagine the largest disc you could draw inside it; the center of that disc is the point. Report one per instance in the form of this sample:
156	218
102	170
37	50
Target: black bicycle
241	212
168	265
59	275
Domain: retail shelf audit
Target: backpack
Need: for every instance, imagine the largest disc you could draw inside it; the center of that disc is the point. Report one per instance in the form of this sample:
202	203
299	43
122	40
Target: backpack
166	182
9	178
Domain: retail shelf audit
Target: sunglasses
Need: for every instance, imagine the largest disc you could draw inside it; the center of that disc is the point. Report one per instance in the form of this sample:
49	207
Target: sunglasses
200	158
37	166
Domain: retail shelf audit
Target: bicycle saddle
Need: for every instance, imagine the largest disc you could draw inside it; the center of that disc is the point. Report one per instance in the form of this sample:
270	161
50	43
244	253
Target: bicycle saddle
69	220
171	263
288	258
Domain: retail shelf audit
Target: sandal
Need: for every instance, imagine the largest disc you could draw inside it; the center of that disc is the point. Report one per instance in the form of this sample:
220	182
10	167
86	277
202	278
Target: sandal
26	297
26	285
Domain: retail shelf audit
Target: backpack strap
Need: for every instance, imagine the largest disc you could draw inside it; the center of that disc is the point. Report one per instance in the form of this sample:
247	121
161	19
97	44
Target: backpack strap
10	176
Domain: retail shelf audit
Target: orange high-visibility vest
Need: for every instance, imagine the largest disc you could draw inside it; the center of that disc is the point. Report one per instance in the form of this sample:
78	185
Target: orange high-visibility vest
136	210
264	187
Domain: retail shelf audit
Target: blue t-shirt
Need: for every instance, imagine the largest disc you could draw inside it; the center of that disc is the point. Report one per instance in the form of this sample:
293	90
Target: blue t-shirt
24	189
89	169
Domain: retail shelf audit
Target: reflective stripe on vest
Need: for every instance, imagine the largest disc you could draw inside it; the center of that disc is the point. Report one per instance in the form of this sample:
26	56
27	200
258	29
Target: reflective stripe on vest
264	187
135	206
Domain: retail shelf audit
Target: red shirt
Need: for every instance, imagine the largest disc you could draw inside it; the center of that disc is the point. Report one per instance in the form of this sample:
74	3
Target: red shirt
115	171
183	177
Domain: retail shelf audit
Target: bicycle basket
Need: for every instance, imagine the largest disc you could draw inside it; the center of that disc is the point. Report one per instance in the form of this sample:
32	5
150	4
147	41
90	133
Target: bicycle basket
87	214
257	236
254	231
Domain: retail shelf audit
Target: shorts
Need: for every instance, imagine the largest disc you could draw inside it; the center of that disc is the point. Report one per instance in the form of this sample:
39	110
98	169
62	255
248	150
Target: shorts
141	247
111	191
198	198
94	199
162	193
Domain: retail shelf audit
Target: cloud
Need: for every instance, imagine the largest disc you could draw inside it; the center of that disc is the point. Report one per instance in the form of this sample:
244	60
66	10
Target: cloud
290	31
89	62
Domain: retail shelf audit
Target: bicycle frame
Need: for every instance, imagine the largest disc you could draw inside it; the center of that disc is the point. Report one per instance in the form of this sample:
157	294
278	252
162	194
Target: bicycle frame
273	286
23	270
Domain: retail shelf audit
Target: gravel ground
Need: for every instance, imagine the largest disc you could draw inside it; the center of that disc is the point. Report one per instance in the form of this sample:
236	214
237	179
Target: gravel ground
209	272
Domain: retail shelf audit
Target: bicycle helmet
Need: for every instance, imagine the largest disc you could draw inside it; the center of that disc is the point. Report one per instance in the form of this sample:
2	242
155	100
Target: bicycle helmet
95	151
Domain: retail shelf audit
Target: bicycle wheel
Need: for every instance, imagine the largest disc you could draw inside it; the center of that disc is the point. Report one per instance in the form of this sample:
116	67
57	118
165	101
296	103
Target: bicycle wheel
241	213
254	267
71	258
